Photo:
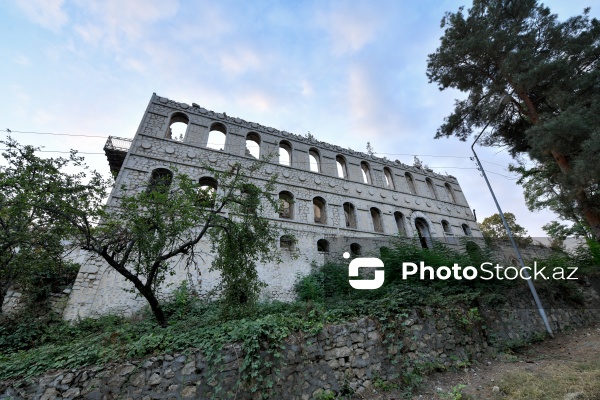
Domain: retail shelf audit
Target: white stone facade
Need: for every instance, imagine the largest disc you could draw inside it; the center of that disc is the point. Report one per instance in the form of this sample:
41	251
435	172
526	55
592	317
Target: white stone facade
98	289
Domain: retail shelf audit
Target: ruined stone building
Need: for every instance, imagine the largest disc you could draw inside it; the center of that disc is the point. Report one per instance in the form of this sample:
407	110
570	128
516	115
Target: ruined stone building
332	193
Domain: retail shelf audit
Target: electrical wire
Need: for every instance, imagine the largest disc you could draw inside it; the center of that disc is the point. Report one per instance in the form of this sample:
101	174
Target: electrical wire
216	144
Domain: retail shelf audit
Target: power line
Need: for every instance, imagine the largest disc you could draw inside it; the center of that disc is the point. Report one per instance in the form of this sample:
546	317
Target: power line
219	143
56	134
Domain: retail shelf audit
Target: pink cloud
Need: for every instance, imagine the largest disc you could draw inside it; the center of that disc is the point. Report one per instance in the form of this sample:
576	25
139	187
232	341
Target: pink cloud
47	13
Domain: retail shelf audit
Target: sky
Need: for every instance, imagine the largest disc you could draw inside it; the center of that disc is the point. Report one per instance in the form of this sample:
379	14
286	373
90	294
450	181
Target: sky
349	72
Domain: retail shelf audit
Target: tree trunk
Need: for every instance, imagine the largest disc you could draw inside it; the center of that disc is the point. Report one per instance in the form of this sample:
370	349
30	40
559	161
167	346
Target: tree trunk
144	290
590	213
2	296
154	306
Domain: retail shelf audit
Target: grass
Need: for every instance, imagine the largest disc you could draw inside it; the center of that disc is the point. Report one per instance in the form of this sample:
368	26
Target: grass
554	382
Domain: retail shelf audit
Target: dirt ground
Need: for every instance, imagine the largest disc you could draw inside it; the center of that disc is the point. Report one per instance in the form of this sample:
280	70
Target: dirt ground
566	367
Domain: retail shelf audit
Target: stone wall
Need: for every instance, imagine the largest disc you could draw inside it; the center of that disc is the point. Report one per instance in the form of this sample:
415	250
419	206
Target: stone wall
339	358
99	290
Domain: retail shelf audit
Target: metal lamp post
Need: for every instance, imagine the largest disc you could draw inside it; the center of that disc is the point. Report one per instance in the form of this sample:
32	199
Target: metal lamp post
503	102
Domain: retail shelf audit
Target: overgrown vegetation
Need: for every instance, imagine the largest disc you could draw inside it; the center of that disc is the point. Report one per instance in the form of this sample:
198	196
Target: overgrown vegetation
142	234
32	344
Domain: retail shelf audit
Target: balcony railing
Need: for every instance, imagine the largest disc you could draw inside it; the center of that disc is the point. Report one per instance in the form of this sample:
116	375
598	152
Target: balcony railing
116	149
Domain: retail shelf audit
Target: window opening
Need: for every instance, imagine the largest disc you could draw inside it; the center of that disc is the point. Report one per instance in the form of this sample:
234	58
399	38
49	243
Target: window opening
355	249
450	193
319	211
342	171
376	217
399	217
315	161
207	192
285	154
349	215
216	137
177	126
366	172
411	183
286	201
389	180
448	232
160	181
253	145
323	246
423	232
431	188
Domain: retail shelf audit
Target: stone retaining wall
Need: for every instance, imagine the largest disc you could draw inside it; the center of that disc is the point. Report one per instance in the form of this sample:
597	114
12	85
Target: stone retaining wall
340	358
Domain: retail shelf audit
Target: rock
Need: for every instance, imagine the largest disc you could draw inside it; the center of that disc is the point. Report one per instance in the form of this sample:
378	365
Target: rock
496	389
138	380
189	368
50	394
68	379
126	369
72	393
574	396
154	379
188	392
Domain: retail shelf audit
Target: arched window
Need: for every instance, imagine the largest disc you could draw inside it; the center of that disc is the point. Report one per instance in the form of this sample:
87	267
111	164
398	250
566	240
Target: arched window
450	193
342	170
253	145
314	160
366	172
286	205
160	181
467	230
286	242
250	196
285	153
350	215
216	136
355	249
411	183
177	126
319	210
323	246
448	232
423	232
399	217
389	178
431	188
376	217
207	192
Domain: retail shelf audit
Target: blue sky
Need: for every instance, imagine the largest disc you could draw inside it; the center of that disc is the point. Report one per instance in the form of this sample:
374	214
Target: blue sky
350	72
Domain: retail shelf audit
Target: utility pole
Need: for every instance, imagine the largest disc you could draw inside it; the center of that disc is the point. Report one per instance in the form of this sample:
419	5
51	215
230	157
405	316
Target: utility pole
538	302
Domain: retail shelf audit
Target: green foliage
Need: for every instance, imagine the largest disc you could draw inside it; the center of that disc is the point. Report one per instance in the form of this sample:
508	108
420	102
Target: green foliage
547	73
241	241
32	250
455	392
492	227
324	395
384	386
143	234
329	283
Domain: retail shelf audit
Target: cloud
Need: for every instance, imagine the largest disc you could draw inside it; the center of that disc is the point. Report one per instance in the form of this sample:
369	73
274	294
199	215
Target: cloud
47	13
307	88
240	59
119	22
22	59
351	26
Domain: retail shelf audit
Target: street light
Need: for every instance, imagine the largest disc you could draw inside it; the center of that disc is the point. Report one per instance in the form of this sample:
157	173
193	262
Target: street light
503	103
